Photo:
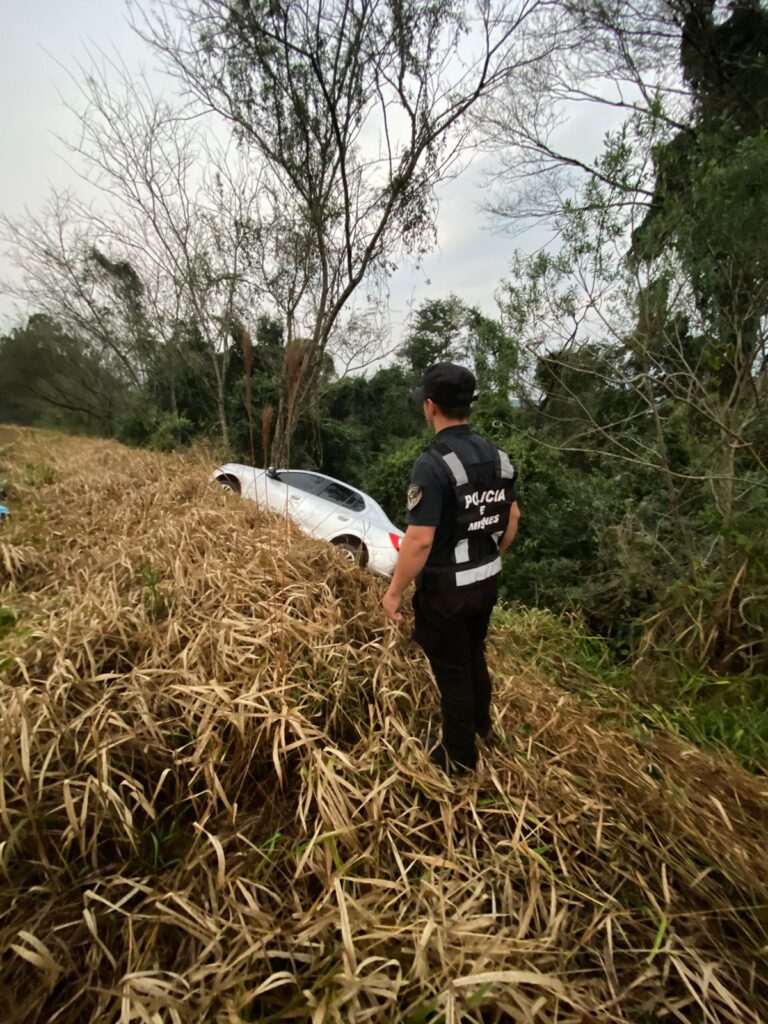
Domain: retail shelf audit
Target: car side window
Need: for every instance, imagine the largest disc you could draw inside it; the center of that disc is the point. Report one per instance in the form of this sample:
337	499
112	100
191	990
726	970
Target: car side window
309	482
341	495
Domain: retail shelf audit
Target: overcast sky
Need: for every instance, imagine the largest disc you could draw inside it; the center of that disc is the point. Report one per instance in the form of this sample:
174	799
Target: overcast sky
471	257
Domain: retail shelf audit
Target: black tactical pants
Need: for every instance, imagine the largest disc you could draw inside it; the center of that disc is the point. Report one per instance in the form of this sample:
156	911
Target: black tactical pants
451	626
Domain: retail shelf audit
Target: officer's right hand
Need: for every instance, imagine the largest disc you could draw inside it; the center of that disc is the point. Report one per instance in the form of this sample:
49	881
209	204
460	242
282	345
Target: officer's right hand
390	603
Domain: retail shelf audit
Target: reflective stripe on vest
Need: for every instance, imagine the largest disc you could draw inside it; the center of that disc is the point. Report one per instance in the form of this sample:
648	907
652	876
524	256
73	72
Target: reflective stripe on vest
461	551
480	572
454	464
507	469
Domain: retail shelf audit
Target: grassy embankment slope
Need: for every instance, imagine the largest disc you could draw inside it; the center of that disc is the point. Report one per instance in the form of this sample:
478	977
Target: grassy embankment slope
215	804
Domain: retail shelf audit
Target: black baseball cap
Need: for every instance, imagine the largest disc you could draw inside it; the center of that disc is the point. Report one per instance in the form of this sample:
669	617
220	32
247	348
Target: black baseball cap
447	384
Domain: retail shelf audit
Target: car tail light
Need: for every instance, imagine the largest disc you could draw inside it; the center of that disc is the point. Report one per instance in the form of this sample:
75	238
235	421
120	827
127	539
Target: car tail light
395	538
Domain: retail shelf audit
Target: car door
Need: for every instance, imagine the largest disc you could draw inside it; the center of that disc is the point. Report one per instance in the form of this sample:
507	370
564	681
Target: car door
333	510
292	491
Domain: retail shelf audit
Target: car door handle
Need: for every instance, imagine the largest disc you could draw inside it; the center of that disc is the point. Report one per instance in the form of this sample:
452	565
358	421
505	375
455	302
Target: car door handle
294	498
343	519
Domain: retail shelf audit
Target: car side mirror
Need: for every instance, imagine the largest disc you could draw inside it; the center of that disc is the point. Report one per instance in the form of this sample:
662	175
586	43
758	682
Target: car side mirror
272	473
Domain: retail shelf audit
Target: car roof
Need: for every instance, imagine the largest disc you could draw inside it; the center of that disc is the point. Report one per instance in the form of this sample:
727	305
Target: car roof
331	479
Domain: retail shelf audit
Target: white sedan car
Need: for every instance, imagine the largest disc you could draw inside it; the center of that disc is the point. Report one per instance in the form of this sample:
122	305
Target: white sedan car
321	507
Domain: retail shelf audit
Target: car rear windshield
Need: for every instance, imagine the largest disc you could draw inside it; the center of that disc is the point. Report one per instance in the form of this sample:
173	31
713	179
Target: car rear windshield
341	495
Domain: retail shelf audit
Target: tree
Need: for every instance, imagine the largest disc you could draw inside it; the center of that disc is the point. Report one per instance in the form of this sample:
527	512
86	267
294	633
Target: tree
631	365
363	418
710	198
437	333
449	330
50	376
359	109
184	209
62	270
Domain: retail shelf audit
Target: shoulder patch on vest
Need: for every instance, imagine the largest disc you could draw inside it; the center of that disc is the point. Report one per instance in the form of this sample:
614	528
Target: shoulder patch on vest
414	497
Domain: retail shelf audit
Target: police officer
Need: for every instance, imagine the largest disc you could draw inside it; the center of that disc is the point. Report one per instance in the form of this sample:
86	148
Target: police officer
462	516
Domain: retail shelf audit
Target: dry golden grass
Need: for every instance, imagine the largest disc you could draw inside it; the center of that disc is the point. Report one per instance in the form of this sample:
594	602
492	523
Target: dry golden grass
216	805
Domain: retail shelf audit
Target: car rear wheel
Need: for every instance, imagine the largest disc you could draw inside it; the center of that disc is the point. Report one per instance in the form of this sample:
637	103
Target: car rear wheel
352	550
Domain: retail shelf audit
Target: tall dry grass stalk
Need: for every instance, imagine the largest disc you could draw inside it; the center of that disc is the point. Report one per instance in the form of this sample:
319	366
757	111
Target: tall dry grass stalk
296	374
196	831
266	431
247	347
297	360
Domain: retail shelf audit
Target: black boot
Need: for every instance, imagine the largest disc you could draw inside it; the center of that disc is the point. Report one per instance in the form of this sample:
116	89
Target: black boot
491	737
439	756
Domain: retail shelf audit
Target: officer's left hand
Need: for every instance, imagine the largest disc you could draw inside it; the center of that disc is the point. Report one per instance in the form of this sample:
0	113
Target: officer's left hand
390	603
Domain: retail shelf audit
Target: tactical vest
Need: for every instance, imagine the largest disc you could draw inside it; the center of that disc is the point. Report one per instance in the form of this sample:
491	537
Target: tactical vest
482	510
